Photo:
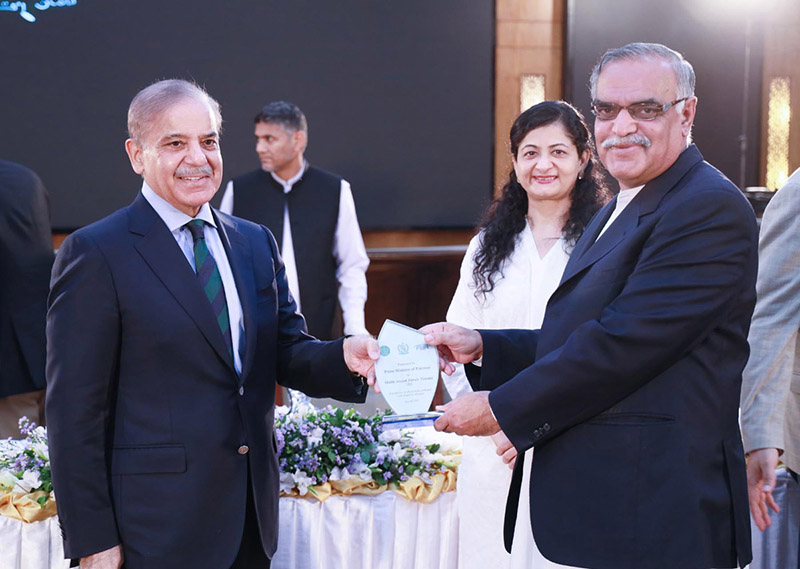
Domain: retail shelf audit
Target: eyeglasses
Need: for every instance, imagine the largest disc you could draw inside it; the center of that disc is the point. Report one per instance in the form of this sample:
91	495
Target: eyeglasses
637	111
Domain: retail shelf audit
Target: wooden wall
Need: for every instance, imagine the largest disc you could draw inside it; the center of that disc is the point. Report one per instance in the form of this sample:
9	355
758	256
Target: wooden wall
530	40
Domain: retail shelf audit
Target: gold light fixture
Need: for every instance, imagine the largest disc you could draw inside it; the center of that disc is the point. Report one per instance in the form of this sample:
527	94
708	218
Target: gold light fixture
779	115
531	91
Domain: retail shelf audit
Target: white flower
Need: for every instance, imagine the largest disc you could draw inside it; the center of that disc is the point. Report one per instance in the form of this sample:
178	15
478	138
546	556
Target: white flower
339	474
7	479
315	438
41	449
286	482
398	451
448	442
389	436
302	481
30	482
363	472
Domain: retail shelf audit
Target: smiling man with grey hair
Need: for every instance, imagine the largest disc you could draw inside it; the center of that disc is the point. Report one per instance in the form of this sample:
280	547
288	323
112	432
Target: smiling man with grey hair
169	324
629	392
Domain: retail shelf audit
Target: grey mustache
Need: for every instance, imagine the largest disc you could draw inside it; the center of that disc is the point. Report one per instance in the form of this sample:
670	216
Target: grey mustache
638	139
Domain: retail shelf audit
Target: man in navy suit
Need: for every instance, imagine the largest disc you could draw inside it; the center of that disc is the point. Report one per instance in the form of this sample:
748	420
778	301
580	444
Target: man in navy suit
629	392
168	326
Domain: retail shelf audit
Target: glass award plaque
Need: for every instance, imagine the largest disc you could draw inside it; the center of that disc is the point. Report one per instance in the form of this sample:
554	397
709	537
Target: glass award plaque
407	374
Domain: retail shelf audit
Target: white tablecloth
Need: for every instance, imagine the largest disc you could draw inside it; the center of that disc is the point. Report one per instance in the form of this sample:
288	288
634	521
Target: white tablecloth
368	532
36	545
377	532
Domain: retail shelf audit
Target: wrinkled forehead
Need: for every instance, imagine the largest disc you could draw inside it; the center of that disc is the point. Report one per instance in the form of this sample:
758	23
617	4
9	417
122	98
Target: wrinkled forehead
635	80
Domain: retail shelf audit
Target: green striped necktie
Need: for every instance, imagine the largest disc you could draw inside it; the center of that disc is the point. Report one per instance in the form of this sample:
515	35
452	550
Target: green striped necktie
210	279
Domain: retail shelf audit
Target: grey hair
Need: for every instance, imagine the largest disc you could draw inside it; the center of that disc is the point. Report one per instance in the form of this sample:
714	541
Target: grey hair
684	71
152	101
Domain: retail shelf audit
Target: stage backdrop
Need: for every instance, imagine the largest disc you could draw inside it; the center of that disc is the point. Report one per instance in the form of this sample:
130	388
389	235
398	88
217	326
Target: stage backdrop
712	35
398	94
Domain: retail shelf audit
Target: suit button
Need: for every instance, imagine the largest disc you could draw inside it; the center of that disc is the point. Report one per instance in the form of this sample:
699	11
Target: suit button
546	427
537	434
241	391
244	449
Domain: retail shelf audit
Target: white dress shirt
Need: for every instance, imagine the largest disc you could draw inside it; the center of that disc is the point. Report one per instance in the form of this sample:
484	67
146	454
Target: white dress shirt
624	197
348	250
175	221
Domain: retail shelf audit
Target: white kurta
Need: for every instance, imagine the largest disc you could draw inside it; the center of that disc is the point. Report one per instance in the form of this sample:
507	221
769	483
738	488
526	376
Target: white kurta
518	300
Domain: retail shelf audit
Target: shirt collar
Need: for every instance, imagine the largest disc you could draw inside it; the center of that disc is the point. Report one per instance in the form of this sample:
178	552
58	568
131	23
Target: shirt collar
172	216
288	184
625	196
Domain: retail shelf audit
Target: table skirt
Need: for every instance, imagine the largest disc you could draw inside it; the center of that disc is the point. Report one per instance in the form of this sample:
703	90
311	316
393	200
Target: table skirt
36	545
368	532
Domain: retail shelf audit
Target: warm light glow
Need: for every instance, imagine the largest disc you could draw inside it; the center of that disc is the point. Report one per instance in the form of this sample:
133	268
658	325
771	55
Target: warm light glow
778	119
531	91
716	10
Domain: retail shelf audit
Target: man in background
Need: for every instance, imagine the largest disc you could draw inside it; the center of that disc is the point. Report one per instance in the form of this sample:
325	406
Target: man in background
26	257
771	381
312	215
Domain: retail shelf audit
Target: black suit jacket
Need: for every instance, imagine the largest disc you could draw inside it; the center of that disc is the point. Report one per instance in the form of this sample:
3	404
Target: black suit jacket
26	257
147	416
630	390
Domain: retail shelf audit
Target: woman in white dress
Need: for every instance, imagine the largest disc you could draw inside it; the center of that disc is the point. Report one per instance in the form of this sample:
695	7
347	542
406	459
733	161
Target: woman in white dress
509	272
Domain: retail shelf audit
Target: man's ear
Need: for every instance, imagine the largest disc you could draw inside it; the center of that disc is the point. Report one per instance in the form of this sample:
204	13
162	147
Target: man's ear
300	139
135	155
687	115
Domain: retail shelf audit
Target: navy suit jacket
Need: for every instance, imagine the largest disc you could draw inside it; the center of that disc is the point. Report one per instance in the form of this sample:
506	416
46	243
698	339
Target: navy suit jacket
147	415
630	391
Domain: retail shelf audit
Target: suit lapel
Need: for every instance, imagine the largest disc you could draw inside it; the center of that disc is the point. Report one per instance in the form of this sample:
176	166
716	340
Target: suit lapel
241	261
160	251
596	224
591	248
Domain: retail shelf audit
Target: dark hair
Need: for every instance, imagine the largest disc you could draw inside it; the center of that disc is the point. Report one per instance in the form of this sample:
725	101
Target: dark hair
506	216
287	115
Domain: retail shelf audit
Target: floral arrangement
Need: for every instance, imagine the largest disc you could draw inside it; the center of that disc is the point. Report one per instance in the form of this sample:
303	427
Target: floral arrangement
335	447
25	464
26	490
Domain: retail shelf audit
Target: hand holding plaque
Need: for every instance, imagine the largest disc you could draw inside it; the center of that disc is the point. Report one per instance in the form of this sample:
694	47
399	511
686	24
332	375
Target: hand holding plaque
407	374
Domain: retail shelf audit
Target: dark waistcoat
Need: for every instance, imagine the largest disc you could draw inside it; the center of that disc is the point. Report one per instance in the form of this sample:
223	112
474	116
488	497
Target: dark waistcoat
313	213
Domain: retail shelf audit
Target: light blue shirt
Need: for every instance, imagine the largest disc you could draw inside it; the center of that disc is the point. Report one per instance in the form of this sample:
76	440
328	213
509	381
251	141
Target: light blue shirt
175	220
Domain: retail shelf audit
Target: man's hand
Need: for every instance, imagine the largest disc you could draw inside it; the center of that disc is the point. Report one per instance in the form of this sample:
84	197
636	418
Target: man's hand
761	465
506	450
360	354
455	344
468	414
108	559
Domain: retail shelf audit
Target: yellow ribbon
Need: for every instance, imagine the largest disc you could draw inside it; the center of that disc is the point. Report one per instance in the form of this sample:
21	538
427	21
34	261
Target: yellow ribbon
25	508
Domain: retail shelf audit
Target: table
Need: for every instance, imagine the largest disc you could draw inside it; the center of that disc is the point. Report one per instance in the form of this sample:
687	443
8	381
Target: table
368	532
36	545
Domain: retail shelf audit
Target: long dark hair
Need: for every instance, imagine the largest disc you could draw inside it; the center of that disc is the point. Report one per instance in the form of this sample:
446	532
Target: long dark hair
506	216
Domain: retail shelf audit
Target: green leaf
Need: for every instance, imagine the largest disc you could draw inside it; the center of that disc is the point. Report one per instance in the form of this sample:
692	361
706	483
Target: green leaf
42	501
